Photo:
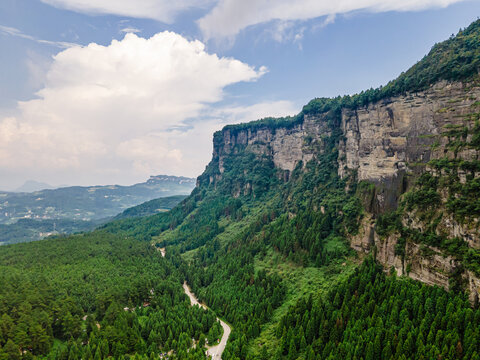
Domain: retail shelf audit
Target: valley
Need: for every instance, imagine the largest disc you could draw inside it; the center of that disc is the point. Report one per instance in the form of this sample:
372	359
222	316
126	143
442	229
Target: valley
34	216
349	231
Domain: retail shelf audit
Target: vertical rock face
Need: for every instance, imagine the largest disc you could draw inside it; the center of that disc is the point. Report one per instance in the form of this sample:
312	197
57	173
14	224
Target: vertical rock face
387	143
420	262
286	145
385	140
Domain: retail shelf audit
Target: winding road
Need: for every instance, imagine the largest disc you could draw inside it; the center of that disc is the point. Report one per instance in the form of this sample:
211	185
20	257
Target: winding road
215	352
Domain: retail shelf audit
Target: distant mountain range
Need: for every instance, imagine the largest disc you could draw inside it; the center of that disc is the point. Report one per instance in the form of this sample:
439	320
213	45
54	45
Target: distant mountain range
26	216
349	231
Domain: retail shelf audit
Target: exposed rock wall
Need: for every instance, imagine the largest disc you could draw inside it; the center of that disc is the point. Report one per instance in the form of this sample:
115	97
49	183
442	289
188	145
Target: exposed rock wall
385	140
423	263
286	146
384	143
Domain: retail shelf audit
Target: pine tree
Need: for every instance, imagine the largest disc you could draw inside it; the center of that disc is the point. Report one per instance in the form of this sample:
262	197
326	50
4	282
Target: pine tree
292	351
264	353
12	350
98	354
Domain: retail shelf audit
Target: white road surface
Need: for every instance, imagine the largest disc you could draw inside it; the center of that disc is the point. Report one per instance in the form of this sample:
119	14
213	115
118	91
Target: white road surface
215	352
162	250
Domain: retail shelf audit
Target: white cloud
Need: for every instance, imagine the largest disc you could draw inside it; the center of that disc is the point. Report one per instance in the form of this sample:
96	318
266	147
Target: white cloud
18	33
130	30
242	114
37	66
121	111
229	17
194	145
162	10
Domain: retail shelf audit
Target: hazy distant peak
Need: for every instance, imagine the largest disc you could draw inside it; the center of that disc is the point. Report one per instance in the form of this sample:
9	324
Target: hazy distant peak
32	185
170	178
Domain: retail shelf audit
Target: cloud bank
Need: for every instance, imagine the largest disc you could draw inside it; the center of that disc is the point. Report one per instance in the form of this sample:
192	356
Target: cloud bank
229	17
126	108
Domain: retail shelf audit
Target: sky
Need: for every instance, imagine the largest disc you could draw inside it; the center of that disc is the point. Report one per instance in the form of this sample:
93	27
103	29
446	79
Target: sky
112	91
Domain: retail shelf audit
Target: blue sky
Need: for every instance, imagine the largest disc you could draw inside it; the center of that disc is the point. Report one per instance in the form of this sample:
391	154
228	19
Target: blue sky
76	108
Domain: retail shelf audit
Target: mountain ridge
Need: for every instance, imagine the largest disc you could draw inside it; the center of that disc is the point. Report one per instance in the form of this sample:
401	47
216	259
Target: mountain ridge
32	185
35	215
316	236
353	161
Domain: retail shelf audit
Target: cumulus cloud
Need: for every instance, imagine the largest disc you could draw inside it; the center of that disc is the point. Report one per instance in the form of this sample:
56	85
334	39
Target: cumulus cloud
229	17
162	10
125	111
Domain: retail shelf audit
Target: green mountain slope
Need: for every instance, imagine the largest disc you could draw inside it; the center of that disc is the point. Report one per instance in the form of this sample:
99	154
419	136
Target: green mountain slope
151	207
33	216
88	203
287	236
95	296
249	206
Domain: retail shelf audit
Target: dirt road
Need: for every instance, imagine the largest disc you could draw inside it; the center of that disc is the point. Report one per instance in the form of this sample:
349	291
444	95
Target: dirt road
215	352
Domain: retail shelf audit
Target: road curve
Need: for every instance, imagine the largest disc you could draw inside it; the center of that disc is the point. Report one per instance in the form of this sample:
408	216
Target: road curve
215	352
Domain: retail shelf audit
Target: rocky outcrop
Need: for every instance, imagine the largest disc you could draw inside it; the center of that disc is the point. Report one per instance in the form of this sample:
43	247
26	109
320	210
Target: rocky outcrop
384	137
419	262
424	263
286	145
387	139
387	143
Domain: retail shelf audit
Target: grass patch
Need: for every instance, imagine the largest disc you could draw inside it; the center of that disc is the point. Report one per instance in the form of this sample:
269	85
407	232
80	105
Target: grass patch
300	282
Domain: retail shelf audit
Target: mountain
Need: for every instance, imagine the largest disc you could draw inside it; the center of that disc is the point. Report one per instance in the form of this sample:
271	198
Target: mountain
25	230
32	216
317	236
32	185
88	203
392	172
151	207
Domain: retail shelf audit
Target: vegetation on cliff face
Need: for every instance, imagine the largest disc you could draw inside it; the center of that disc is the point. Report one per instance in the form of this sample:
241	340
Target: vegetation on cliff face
244	213
448	187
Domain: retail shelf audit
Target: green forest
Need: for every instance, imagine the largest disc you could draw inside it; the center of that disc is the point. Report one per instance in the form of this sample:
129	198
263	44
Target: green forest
268	251
372	315
96	296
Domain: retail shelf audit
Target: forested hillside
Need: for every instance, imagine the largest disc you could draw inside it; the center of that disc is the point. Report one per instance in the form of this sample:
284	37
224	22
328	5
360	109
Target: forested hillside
374	316
151	207
300	204
95	296
274	239
34	216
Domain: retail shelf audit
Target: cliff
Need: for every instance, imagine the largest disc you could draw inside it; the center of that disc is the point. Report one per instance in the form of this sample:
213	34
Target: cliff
394	171
388	143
